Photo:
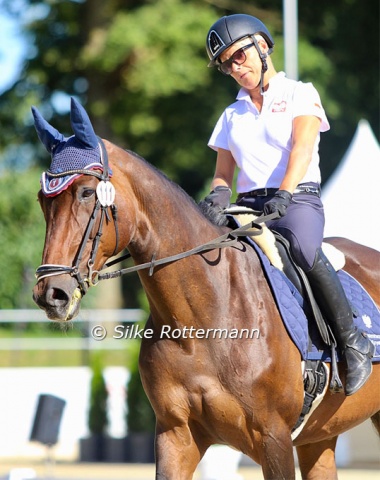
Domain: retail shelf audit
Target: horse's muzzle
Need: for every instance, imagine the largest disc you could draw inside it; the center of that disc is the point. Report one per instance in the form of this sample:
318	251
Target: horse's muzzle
59	298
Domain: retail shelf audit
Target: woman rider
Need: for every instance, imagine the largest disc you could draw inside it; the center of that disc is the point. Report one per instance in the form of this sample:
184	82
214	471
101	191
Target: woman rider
271	133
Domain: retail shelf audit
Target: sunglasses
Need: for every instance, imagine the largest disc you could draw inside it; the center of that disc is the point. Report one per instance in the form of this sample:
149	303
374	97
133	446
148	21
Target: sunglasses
238	57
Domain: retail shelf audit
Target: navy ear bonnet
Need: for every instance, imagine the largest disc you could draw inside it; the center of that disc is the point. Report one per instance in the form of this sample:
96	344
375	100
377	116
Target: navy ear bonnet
81	151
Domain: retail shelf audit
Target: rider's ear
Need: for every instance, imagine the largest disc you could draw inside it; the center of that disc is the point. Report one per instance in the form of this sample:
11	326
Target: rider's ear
82	127
48	135
263	45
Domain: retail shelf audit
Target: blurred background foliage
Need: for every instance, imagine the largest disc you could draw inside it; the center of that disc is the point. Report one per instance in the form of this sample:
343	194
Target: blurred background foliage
139	68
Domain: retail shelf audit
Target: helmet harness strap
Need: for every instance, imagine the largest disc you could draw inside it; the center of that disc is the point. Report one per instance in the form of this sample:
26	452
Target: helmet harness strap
263	58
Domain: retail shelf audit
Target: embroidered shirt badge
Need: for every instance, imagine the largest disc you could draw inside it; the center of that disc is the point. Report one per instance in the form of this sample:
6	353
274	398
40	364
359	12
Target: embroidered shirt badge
279	107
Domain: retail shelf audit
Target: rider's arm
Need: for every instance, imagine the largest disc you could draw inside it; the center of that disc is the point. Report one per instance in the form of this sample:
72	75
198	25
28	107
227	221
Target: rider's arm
224	170
305	131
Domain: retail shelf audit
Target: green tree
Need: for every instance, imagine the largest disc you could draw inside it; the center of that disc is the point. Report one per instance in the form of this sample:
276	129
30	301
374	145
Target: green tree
97	415
134	64
22	230
140	416
347	33
140	68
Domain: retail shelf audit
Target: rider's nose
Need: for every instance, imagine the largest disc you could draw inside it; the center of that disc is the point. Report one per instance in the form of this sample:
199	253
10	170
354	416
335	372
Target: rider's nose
235	67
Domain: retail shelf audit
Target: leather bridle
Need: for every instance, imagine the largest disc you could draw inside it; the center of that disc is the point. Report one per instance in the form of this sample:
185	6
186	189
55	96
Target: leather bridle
105	195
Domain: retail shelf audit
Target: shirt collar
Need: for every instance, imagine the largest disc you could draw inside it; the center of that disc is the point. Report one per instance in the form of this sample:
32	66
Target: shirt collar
243	94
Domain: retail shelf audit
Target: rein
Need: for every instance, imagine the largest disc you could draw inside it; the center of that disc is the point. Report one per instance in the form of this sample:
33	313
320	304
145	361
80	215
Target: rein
229	239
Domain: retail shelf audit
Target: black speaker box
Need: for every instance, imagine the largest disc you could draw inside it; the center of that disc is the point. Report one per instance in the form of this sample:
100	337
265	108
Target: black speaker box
47	419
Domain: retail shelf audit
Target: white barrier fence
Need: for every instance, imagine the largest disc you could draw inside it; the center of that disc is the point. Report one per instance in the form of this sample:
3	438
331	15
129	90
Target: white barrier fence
89	317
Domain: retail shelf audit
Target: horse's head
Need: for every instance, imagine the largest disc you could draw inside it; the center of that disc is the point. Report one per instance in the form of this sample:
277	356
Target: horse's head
77	199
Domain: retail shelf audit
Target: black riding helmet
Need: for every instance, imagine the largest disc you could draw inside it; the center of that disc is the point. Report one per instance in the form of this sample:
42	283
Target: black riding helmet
228	30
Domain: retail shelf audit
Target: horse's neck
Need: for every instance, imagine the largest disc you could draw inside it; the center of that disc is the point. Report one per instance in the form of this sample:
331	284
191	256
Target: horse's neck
165	219
165	222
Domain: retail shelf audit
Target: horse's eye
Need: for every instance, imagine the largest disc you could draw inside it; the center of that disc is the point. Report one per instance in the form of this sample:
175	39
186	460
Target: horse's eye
88	193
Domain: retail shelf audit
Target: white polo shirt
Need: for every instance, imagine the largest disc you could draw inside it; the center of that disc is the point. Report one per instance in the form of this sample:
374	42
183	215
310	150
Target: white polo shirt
260	142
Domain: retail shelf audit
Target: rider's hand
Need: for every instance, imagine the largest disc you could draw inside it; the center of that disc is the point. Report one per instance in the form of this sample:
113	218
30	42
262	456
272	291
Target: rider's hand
215	203
220	197
279	203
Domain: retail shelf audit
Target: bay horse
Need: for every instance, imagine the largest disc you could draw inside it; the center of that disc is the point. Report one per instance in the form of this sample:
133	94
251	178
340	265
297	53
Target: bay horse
243	392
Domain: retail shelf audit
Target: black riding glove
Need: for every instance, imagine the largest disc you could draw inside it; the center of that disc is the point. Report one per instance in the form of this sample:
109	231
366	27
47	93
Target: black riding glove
279	203
214	204
219	198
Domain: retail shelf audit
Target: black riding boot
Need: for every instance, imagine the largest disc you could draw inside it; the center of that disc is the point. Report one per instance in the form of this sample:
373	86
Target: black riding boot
331	298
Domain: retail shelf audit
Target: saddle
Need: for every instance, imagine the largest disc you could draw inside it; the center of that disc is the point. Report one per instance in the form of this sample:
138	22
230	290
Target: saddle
278	251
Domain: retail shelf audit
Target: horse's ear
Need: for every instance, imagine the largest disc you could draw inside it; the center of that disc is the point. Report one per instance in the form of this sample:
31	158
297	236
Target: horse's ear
82	126
48	135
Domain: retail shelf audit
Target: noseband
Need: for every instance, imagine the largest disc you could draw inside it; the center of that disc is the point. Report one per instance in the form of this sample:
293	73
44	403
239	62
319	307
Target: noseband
105	193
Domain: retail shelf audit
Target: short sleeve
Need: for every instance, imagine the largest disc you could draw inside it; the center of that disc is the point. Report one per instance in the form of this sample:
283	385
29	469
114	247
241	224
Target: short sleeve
219	136
307	102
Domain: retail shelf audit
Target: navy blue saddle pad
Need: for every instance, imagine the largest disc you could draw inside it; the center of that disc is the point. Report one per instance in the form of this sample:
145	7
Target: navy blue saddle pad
289	303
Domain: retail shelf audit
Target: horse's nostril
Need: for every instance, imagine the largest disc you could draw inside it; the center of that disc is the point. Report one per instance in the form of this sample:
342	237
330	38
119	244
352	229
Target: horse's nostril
59	294
56	296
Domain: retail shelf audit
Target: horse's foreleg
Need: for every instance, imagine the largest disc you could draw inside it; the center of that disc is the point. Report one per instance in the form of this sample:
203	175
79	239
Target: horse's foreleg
177	453
317	460
276	456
